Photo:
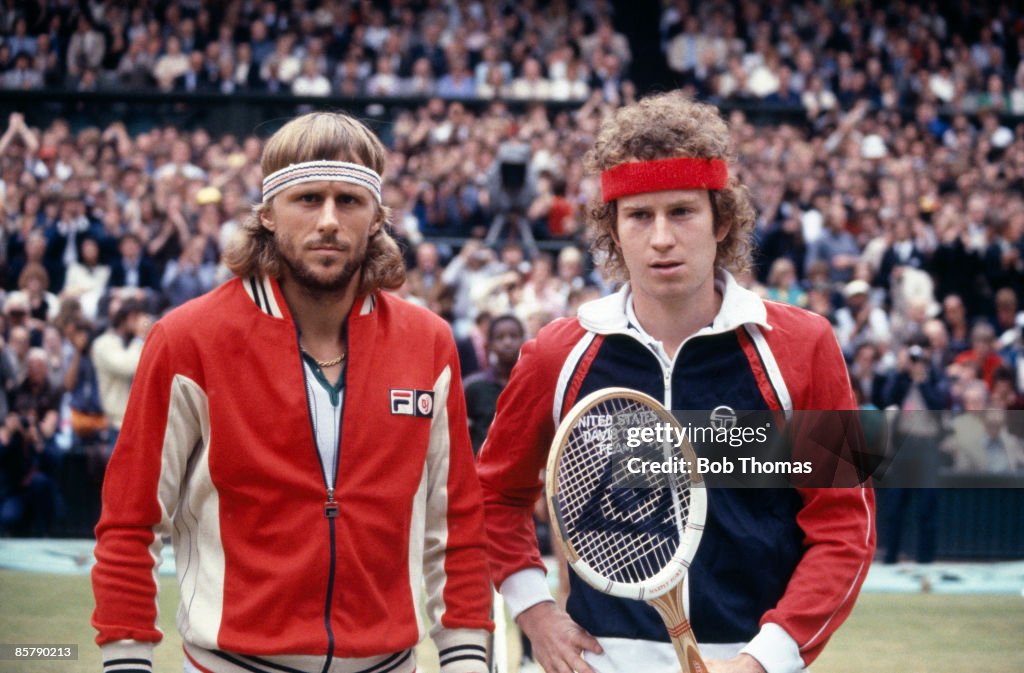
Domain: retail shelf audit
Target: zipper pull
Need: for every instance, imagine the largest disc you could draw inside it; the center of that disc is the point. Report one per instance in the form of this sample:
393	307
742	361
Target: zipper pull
330	507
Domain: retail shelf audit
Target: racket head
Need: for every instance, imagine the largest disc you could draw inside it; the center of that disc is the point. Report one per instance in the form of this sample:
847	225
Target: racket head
628	542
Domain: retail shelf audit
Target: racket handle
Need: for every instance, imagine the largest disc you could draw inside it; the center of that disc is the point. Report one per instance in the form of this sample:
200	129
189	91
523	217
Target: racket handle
670	607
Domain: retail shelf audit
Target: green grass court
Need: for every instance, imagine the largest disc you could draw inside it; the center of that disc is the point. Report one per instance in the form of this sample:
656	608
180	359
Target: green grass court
887	633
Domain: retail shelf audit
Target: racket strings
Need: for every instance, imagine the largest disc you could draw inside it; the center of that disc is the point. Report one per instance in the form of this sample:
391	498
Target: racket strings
626	526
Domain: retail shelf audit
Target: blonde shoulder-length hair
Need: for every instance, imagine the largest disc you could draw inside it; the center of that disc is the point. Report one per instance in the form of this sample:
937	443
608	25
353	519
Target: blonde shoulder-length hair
312	137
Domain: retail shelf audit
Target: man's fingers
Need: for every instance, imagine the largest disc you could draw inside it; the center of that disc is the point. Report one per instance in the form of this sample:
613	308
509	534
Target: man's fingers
582	666
558	664
571	661
582	640
558	642
566	656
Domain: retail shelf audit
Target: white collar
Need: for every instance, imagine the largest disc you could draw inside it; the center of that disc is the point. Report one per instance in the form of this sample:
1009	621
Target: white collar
614	313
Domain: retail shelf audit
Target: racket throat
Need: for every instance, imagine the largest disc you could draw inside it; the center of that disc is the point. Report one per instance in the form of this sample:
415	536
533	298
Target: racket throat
670	607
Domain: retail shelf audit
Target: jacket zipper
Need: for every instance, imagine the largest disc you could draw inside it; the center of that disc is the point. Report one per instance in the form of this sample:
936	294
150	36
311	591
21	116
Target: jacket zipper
666	369
666	372
330	504
666	377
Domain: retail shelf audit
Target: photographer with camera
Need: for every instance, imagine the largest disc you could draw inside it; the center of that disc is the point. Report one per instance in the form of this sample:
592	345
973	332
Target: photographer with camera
36	395
29	459
918	391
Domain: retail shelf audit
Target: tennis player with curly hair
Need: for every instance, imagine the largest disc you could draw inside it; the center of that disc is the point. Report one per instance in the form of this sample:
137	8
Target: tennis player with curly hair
777	570
300	435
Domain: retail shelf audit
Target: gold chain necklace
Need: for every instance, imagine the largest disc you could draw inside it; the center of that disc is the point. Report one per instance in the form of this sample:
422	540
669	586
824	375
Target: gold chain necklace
324	364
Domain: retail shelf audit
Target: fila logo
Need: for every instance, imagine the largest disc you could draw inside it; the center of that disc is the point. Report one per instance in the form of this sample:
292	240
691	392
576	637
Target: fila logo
406	402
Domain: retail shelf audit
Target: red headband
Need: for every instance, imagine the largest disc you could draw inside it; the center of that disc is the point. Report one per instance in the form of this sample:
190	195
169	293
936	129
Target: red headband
639	177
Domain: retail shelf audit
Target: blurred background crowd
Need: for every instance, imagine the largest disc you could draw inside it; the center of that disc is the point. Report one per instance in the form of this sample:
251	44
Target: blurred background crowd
883	144
820	54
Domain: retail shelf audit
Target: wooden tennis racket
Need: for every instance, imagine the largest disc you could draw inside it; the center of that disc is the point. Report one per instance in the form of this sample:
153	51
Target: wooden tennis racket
625	534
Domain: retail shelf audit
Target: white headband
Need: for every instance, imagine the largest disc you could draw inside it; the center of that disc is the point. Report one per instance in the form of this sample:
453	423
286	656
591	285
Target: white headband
315	171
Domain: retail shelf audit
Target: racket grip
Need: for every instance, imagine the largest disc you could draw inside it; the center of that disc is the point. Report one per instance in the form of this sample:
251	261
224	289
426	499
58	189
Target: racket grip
670	607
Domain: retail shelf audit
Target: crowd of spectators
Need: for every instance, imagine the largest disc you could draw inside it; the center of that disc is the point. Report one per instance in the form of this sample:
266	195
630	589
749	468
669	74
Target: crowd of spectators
823	56
903	226
521	50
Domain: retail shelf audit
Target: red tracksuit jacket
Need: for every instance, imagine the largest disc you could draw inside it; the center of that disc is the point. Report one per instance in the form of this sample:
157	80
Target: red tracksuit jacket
217	451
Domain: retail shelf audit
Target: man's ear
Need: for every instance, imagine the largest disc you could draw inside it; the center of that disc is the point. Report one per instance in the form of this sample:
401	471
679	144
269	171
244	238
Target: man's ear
266	220
378	222
721	228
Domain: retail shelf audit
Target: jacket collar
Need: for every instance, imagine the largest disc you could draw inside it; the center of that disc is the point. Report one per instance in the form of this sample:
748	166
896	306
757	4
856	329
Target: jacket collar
740	306
265	293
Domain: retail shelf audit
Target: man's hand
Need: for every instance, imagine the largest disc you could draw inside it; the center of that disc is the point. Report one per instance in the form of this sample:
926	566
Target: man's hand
741	663
558	641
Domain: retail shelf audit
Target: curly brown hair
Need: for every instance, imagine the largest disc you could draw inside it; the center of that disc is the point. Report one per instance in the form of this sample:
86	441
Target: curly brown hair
311	137
666	126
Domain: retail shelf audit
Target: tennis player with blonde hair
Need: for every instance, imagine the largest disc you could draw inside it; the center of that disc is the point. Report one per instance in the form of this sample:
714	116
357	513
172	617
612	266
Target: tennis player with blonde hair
301	437
777	571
